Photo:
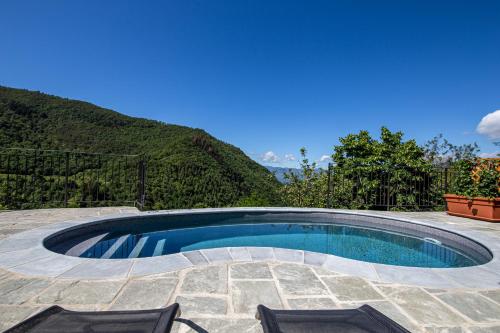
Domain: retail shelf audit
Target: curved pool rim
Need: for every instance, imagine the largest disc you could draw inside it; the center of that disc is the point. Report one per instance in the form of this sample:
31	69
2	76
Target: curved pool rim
66	241
36	260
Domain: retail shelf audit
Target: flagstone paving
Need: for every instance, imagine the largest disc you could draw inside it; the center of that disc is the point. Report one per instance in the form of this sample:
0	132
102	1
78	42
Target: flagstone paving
222	297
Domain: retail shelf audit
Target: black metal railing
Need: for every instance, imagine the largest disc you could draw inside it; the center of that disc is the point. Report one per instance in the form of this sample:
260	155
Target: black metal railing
31	178
396	188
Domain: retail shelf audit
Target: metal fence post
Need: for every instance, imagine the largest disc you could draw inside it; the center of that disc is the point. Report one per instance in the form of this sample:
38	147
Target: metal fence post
142	183
66	175
445	180
388	191
329	191
445	190
8	201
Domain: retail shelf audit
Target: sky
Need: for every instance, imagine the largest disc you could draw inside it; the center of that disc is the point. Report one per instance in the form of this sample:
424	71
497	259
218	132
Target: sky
269	76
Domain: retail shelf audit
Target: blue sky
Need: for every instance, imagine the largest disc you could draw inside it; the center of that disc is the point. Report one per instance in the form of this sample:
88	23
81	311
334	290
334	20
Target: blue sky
268	75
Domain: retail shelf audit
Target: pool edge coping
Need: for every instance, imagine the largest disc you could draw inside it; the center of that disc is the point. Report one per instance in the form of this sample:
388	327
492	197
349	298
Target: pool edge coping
35	260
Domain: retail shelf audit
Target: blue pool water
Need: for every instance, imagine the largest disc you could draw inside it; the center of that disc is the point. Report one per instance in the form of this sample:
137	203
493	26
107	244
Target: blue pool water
360	243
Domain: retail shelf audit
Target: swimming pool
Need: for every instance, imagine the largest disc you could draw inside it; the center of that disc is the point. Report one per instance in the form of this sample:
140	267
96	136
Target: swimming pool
369	239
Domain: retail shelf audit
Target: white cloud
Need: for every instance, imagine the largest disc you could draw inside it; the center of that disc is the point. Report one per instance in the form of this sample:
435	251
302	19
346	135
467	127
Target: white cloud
270	157
325	158
489	155
490	125
290	157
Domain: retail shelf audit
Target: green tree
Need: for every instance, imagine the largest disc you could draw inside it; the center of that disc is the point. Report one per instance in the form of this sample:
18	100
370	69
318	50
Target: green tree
362	152
309	188
369	173
442	153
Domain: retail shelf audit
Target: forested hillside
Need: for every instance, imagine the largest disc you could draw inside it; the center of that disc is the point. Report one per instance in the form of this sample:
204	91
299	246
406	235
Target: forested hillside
186	167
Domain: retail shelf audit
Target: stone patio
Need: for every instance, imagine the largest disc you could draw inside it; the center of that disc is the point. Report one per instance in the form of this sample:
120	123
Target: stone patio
219	296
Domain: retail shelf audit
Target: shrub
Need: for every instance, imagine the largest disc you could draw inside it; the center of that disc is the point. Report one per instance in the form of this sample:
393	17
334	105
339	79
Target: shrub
476	178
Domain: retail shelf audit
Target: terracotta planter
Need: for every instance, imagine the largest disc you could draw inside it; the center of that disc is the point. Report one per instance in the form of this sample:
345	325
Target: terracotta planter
476	208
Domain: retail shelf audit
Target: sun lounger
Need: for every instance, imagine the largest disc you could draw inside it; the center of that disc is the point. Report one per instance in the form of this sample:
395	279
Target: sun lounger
58	320
364	319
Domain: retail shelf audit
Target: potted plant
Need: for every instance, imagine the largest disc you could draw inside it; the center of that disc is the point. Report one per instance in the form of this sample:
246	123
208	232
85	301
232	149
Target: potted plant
475	190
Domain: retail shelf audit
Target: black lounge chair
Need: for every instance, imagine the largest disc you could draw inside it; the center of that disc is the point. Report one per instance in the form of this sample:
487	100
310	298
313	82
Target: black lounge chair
58	320
364	319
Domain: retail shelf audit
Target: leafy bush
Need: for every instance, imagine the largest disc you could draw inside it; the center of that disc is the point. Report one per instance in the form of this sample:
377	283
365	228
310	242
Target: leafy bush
441	152
370	173
308	189
367	173
484	184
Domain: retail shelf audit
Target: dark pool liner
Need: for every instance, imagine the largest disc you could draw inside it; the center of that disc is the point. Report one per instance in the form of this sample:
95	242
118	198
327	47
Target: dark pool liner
62	240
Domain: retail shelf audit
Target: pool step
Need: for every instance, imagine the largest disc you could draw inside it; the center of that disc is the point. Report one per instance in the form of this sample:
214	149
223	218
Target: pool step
138	247
113	248
159	248
87	245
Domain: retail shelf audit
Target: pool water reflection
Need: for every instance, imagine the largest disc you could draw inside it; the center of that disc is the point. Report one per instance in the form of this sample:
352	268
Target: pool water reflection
360	243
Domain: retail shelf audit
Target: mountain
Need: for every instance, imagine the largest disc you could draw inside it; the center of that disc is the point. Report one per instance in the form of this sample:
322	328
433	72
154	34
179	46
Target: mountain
201	171
279	172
